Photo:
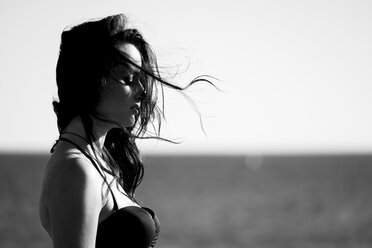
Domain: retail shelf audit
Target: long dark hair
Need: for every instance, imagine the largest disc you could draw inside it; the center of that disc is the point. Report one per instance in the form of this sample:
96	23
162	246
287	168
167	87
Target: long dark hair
87	54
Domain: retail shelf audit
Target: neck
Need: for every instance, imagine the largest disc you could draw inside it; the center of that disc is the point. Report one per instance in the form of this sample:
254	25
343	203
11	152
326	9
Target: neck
100	130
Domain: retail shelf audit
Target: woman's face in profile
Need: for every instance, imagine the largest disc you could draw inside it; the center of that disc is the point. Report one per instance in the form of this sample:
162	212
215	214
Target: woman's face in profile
120	99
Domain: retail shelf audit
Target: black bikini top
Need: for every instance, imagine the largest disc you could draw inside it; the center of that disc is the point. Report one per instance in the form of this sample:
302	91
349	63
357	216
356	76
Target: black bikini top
131	226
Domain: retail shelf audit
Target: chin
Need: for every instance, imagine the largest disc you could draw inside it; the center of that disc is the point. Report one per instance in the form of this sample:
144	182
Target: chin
130	122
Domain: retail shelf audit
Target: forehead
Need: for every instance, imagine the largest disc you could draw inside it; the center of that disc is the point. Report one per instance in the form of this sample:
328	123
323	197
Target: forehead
132	52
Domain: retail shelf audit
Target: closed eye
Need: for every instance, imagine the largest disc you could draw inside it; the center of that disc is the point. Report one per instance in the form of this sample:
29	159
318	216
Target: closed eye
129	80
118	81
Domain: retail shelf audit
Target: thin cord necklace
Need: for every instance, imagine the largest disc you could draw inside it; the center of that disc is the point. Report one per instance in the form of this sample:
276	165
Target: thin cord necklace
81	137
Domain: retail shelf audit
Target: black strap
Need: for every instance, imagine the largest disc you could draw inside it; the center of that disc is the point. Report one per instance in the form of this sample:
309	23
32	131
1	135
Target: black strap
94	164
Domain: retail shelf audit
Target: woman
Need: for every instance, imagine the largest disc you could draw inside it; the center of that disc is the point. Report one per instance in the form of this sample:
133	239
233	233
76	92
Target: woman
107	80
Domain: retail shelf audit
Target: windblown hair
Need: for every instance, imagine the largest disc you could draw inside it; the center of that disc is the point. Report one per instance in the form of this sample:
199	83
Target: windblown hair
87	54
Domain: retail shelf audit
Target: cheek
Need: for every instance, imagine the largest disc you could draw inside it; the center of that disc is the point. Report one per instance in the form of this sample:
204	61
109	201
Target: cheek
114	100
121	96
117	93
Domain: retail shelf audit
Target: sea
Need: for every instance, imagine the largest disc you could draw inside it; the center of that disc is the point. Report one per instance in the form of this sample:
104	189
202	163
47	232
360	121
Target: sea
221	201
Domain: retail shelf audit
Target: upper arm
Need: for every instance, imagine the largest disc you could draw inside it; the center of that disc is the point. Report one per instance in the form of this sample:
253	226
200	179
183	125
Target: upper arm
75	204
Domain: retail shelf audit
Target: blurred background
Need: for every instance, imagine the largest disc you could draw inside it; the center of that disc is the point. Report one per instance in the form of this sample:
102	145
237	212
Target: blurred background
287	154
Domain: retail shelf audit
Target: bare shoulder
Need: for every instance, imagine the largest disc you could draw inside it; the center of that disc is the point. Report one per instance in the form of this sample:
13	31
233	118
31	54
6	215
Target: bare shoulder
74	164
71	198
69	170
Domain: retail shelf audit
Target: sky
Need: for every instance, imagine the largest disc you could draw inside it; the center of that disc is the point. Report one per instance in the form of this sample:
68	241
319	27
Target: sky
295	75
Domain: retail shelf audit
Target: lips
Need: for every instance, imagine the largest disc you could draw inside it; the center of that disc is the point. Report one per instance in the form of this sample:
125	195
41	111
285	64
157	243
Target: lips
135	109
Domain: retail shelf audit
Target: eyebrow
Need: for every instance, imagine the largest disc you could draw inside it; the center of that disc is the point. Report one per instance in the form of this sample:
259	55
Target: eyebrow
134	73
126	70
134	68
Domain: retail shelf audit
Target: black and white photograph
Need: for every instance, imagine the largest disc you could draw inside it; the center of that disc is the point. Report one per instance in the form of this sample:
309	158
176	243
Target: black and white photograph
186	124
